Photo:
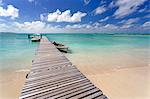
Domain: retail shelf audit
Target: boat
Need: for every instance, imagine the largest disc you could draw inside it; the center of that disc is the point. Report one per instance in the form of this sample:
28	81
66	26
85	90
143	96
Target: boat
61	47
35	39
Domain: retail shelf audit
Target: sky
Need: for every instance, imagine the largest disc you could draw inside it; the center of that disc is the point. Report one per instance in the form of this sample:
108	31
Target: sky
75	16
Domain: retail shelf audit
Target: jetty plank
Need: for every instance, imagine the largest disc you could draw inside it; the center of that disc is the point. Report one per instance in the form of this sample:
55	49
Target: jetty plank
52	76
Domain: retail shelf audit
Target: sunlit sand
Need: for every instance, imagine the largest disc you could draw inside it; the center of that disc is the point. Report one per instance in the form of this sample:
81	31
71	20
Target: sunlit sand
126	77
11	84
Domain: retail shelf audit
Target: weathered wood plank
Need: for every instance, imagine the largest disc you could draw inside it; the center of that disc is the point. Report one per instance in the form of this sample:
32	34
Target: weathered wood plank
62	93
49	85
49	67
51	76
52	72
52	82
54	88
28	85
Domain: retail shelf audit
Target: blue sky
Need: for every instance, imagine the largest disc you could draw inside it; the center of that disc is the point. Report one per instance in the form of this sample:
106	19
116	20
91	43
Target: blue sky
75	16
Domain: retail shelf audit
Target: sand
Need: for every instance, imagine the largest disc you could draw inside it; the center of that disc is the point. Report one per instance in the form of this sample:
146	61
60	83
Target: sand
126	77
118	77
133	83
11	83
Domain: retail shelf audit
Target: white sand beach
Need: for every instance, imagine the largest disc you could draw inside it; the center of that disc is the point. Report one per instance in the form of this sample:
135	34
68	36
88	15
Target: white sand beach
130	79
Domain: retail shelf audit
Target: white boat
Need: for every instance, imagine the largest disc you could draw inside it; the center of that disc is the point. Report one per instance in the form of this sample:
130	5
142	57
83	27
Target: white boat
33	35
35	39
61	47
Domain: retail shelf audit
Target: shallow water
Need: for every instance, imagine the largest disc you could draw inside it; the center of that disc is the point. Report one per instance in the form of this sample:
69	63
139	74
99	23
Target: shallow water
16	51
106	51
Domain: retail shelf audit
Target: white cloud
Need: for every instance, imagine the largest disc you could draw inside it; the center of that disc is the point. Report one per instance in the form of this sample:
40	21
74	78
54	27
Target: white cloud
112	4
11	11
146	24
102	20
37	27
43	27
126	7
34	26
65	16
87	2
129	23
94	27
43	17
3	26
132	20
111	26
79	26
99	10
125	26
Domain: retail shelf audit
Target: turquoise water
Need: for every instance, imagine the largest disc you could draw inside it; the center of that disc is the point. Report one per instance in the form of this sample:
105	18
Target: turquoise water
106	52
101	42
17	51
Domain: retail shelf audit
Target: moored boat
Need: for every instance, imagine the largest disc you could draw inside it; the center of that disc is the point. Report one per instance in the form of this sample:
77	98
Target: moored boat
61	47
35	39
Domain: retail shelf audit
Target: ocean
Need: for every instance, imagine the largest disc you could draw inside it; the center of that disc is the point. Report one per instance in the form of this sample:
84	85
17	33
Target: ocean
105	50
17	51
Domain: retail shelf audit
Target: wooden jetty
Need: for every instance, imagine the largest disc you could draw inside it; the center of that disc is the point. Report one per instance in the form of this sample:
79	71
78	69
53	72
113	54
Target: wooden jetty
53	76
